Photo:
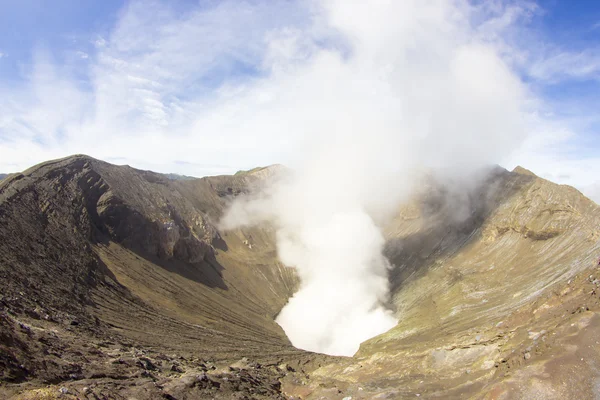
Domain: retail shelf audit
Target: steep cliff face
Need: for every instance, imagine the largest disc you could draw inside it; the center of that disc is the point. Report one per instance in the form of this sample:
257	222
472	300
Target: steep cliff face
116	283
521	235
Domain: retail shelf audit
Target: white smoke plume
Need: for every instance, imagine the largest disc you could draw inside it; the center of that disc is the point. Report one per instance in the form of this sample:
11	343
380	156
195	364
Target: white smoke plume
417	85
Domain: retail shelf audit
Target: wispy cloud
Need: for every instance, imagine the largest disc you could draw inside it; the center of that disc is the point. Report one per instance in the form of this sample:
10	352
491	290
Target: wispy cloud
158	84
230	85
562	64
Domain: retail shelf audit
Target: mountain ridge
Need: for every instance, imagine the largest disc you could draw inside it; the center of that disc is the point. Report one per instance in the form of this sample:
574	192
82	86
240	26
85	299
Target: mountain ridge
127	268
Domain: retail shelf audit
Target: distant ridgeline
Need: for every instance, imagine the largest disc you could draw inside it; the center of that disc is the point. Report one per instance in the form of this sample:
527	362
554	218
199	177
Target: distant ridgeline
175	177
242	172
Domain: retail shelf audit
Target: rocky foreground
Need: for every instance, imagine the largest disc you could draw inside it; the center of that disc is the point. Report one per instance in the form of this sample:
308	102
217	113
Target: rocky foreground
115	283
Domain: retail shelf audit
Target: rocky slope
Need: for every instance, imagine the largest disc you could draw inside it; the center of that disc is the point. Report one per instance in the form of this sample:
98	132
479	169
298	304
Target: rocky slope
115	283
132	259
489	289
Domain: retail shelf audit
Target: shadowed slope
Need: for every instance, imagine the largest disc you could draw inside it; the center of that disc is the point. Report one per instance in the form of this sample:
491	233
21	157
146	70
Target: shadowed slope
118	251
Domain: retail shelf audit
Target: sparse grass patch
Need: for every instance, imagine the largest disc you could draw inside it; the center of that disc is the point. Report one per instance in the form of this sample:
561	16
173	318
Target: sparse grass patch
50	393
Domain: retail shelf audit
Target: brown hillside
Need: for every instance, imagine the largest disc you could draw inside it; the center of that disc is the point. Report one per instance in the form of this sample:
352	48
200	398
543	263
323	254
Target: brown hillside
115	283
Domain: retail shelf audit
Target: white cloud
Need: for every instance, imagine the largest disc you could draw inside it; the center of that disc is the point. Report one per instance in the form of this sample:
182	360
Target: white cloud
528	49
239	84
158	83
561	64
99	42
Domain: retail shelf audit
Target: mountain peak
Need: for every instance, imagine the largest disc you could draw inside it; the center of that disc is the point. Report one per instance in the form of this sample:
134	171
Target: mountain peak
523	171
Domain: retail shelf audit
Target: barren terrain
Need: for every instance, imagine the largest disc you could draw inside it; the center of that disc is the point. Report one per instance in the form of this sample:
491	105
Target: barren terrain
115	283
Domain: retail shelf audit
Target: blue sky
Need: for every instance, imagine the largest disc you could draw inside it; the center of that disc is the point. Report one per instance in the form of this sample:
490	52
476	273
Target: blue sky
212	87
573	26
58	25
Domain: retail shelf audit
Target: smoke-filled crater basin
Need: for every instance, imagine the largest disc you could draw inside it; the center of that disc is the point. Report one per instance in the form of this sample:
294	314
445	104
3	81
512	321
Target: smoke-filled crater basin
259	283
336	249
